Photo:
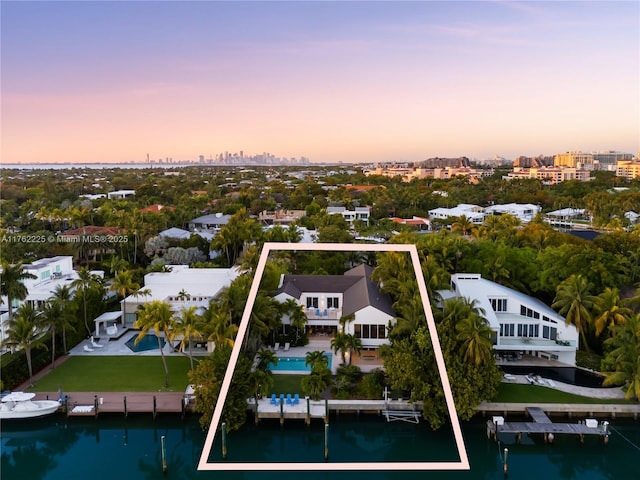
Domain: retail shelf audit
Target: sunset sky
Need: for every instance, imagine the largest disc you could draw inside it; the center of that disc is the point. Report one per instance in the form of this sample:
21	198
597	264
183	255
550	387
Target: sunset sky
332	81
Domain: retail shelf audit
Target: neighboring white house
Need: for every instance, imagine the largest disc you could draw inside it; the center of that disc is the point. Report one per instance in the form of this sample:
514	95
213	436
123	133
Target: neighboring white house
521	324
525	212
326	298
120	194
182	286
474	213
50	273
360	213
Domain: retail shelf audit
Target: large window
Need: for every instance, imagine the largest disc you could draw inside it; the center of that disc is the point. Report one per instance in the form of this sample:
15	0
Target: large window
499	304
312	302
370	331
507	330
333	302
549	332
527	312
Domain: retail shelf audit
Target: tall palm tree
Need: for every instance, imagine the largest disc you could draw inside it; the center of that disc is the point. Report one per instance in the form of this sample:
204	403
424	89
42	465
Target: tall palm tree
23	332
609	311
218	323
156	315
463	224
124	285
475	334
296	314
189	324
51	315
11	283
85	281
574	300
352	344
339	344
63	296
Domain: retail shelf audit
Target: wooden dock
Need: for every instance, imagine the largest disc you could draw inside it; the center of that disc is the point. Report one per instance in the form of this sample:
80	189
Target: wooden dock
543	425
92	404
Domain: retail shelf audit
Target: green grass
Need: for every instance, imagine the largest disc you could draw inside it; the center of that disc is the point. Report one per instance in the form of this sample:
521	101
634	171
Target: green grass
287	384
518	393
115	374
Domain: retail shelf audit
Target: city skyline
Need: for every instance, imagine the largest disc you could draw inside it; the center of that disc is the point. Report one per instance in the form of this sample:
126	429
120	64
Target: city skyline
330	81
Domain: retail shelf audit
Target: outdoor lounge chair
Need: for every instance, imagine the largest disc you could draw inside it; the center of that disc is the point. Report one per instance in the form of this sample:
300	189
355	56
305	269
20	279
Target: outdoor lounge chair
94	344
87	348
296	399
286	346
274	400
282	398
289	399
276	347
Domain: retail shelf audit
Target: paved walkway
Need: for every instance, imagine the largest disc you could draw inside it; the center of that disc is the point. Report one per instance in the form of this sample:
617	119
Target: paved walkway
604	393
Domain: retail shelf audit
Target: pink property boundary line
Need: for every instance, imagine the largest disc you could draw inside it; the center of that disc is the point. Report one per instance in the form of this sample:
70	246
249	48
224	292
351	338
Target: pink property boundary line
463	464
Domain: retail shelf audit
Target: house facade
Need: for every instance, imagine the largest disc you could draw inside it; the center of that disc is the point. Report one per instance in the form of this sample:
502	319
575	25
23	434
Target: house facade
521	325
327	298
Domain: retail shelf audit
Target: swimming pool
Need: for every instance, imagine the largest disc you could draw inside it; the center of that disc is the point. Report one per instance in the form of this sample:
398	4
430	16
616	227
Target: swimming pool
295	364
148	342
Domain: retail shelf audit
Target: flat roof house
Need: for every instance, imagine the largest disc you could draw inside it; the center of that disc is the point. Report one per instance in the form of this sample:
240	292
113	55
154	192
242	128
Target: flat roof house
521	324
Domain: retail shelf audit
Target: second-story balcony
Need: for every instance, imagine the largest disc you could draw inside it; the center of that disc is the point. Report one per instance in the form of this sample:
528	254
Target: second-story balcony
323	313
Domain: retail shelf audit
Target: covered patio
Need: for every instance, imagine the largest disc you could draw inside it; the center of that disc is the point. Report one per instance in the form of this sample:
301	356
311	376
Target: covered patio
105	320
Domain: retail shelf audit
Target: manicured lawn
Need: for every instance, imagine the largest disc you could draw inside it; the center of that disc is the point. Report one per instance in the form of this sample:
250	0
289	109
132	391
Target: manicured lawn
115	374
518	393
287	384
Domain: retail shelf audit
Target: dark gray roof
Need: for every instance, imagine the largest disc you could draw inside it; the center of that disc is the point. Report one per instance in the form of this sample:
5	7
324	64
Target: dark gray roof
358	290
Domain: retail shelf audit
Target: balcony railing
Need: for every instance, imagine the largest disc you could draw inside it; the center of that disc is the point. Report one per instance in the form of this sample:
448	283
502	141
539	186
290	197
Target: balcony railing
320	314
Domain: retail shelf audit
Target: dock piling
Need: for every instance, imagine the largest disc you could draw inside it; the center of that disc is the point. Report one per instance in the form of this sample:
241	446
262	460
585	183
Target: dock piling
505	466
164	456
224	440
326	441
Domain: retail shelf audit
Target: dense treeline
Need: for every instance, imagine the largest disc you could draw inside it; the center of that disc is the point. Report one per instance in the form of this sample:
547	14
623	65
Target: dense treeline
594	284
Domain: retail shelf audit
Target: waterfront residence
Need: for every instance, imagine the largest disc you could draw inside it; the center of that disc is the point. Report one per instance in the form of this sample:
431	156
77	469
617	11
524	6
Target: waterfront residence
521	325
50	273
327	298
180	287
525	212
474	213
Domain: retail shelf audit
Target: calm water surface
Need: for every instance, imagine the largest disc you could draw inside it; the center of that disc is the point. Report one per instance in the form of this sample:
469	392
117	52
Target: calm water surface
113	448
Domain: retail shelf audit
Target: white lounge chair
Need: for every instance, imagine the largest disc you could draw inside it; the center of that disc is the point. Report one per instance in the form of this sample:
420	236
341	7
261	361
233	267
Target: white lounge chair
87	348
286	347
276	347
94	344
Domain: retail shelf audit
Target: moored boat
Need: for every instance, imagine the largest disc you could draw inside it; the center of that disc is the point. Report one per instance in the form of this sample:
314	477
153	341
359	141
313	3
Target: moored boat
22	405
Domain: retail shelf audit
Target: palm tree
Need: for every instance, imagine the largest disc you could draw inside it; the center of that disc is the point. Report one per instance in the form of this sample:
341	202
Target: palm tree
463	224
296	315
352	344
51	315
266	358
124	285
23	332
316	359
218	322
609	311
316	383
574	301
156	315
85	281
11	284
339	344
624	360
475	334
64	296
189	324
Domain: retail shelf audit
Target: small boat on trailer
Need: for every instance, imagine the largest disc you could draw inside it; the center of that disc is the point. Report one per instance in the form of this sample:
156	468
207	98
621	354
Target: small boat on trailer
21	405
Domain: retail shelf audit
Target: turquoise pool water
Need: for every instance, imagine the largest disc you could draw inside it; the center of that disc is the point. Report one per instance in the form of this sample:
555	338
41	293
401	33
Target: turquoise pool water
148	342
295	364
112	447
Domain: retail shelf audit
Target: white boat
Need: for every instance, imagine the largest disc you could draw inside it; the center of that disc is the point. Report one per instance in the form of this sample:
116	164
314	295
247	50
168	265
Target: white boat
21	405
